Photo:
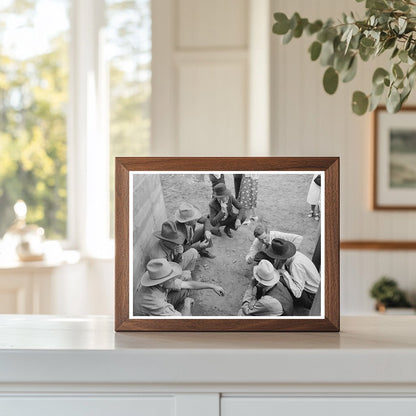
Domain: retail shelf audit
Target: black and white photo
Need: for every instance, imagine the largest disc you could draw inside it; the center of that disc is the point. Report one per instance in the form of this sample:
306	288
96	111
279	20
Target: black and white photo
227	244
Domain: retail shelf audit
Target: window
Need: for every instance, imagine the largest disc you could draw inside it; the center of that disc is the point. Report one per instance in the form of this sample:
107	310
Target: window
33	98
129	43
75	87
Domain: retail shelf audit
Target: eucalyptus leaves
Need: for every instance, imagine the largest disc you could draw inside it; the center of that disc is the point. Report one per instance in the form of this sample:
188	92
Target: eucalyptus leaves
389	27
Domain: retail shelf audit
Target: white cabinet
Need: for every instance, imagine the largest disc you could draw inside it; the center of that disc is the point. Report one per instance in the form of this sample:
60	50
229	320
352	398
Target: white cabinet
325	406
88	406
51	365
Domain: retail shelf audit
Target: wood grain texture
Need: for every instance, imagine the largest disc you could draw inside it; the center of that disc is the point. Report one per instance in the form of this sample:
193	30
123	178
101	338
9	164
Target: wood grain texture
378	245
121	244
328	164
376	205
332	226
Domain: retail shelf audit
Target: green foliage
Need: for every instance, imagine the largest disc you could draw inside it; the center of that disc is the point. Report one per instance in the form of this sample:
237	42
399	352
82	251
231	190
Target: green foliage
330	80
359	103
389	25
315	50
33	99
130	90
386	291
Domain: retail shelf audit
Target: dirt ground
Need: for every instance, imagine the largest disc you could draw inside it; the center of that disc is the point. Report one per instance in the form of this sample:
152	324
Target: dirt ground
281	205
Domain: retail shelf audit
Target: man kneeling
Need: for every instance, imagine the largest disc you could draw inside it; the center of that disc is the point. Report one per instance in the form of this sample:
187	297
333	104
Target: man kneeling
162	293
266	295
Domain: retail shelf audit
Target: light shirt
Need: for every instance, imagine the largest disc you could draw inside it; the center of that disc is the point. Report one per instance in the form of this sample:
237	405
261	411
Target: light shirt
152	301
258	245
301	274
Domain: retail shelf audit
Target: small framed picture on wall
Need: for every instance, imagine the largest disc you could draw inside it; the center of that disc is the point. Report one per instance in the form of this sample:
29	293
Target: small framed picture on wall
394	179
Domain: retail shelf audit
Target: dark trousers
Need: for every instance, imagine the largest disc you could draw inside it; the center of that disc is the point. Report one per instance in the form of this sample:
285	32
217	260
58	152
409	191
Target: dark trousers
305	300
237	184
177	298
228	222
316	258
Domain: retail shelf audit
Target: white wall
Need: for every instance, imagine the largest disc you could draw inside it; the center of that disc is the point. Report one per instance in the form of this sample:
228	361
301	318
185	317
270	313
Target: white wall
308	122
201	77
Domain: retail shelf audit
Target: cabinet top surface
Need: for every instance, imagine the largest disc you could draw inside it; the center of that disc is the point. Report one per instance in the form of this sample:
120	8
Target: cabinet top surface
43	332
53	349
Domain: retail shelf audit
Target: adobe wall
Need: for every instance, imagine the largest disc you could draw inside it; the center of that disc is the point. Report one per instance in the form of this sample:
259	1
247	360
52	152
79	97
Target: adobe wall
149	213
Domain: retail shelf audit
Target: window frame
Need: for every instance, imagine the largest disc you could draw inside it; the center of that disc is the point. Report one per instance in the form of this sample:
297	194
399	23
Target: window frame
88	133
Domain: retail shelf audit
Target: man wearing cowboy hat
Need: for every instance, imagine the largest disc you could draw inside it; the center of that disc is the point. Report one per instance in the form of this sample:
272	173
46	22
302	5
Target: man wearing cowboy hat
195	229
221	211
160	280
298	272
170	247
263	239
266	295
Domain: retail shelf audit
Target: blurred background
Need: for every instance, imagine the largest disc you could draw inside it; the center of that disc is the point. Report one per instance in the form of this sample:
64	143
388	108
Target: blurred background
83	81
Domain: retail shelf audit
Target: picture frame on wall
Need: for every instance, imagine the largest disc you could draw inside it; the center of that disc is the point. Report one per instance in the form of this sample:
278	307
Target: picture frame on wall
227	244
394	151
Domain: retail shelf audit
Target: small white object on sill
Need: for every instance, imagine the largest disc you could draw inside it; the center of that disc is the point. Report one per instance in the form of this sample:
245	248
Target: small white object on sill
54	256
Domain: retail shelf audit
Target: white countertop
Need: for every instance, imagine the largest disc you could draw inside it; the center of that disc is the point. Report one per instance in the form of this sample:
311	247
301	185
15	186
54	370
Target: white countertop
52	349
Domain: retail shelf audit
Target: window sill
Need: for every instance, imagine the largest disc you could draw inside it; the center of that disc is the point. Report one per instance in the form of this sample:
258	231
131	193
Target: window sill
64	257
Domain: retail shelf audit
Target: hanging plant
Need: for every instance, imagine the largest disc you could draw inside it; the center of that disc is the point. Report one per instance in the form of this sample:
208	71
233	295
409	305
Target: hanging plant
388	27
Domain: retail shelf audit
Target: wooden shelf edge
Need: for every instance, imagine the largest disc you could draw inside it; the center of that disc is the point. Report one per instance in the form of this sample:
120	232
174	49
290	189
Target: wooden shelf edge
378	245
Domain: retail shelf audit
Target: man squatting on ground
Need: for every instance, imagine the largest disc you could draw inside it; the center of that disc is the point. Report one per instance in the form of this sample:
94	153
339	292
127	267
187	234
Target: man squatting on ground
298	273
195	229
266	294
221	211
160	282
169	245
263	239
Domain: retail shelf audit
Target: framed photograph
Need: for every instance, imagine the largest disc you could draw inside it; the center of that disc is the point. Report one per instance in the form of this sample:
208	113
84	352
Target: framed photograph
227	244
394	159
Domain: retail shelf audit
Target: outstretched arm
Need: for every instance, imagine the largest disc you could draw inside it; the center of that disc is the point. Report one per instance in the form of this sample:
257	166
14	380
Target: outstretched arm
256	246
192	285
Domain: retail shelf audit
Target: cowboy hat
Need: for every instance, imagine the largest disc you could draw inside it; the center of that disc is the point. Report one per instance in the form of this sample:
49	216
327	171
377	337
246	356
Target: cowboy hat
281	249
187	212
158	271
265	273
220	190
170	233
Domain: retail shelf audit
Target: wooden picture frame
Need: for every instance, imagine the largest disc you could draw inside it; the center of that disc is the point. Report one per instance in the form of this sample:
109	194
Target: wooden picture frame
394	158
131	170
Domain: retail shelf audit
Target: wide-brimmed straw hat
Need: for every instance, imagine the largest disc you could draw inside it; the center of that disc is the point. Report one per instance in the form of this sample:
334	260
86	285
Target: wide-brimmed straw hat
281	249
160	270
169	232
187	212
220	190
265	273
